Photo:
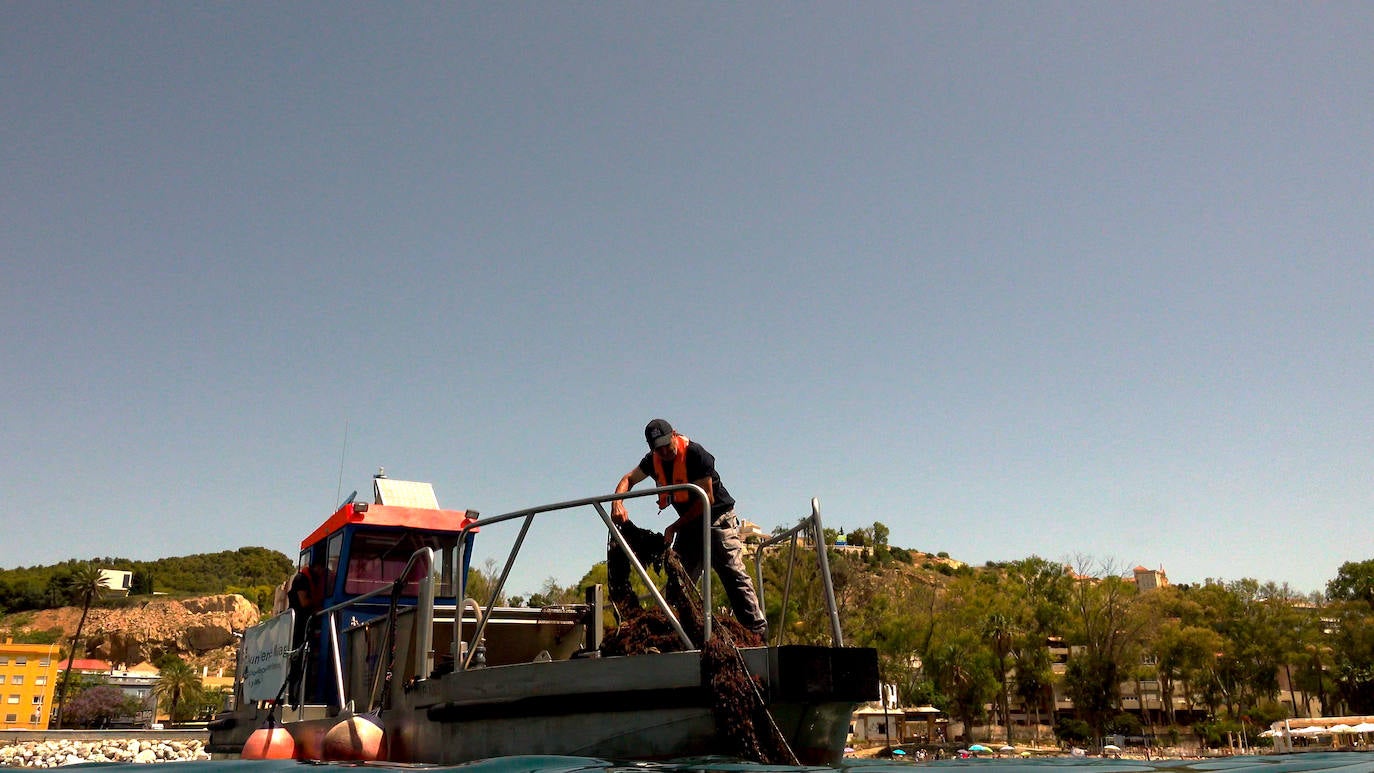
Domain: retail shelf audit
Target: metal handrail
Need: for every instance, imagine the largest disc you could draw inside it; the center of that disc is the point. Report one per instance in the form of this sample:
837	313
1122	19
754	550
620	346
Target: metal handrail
812	523
596	502
424	639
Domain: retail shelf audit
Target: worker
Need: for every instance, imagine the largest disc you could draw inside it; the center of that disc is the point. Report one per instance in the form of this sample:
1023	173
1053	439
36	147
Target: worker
675	459
303	599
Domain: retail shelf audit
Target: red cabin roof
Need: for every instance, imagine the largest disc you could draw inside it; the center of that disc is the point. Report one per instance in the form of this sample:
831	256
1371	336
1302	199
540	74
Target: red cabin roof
365	514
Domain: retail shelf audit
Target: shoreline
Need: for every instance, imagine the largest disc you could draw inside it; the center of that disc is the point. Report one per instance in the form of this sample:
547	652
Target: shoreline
59	753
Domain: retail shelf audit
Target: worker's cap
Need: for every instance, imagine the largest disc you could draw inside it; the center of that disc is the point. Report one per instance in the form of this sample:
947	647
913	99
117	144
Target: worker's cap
658	433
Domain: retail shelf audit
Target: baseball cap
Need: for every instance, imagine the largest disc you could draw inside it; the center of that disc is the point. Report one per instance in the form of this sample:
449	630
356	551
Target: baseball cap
658	433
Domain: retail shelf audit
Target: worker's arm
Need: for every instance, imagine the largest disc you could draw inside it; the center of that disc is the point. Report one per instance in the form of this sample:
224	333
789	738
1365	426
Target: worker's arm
634	476
693	510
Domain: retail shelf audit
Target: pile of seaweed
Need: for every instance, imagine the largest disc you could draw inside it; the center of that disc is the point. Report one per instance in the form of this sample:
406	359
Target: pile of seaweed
744	727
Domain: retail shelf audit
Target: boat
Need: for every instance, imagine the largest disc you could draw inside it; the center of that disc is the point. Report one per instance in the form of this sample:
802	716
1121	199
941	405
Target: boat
401	666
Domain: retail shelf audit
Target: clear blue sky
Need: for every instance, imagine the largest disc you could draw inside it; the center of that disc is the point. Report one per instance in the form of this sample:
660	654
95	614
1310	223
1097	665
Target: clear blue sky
1063	279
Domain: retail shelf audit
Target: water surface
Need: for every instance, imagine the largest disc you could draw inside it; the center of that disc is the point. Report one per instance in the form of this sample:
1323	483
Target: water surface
1346	762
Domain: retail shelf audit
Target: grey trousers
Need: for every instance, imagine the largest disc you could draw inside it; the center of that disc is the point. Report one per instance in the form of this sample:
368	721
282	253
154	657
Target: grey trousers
727	558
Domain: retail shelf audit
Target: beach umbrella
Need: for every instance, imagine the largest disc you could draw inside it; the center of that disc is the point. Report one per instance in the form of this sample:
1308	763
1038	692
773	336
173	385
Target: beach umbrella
978	748
1342	729
899	752
1007	748
1111	747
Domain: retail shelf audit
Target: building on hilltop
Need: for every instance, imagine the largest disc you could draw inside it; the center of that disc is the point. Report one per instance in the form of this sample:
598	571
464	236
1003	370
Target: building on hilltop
1150	579
29	675
117	582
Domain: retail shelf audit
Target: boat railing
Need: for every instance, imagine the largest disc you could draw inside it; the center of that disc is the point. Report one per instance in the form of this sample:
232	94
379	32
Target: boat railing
424	626
462	662
812	524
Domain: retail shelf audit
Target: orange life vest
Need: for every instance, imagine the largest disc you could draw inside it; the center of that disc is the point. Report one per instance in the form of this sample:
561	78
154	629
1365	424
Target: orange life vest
679	472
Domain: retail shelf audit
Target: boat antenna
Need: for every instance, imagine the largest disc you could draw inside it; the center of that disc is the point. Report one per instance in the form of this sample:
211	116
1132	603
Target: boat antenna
338	493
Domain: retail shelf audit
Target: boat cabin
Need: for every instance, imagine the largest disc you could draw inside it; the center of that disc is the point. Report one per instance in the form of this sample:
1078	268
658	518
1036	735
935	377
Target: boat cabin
364	548
373	542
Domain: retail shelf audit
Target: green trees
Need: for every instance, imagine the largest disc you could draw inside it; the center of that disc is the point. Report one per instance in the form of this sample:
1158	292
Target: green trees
1038	592
249	569
1105	620
963	670
1351	650
998	631
962	639
1354	581
1184	655
100	705
178	689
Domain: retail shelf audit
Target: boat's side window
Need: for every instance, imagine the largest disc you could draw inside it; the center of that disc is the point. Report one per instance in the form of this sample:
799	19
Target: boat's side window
332	563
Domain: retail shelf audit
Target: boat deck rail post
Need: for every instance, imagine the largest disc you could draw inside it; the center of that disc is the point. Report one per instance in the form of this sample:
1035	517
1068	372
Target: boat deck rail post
424	638
462	663
811	523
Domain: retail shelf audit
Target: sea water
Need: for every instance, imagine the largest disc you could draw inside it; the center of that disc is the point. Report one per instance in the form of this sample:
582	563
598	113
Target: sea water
1347	762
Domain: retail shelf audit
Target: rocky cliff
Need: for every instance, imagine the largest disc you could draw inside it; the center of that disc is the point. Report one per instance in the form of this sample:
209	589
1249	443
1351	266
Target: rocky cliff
200	630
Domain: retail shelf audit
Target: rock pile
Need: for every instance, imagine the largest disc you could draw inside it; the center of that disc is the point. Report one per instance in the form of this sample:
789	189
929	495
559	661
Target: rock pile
201	630
52	754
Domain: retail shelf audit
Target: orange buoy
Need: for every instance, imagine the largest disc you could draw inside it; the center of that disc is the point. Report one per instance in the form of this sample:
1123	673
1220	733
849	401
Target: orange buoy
269	743
356	738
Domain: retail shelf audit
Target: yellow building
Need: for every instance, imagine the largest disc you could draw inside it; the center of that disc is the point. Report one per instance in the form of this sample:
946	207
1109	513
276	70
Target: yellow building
28	678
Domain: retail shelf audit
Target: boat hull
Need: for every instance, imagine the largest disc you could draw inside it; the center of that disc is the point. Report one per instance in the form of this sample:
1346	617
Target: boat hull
620	708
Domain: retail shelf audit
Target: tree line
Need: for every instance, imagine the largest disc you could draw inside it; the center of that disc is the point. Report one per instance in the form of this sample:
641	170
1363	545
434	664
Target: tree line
975	641
967	639
251	571
980	642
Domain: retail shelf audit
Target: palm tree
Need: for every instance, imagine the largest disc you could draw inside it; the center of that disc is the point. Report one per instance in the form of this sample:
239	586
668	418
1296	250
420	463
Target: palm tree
178	686
998	630
85	583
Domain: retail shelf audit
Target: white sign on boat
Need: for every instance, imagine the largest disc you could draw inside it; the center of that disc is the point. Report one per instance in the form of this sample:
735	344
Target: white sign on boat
266	656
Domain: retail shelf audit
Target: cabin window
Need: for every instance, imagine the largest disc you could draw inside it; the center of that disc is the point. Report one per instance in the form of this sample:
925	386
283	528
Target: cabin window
332	563
377	560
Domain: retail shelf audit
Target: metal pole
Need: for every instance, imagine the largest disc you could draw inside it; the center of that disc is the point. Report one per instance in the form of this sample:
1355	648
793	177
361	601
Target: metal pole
706	562
835	636
424	617
496	592
338	665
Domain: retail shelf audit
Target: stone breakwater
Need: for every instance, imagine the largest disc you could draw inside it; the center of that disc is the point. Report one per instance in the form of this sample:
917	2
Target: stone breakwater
56	753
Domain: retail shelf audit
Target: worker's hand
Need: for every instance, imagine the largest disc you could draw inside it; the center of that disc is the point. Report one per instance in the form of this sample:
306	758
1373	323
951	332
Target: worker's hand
618	512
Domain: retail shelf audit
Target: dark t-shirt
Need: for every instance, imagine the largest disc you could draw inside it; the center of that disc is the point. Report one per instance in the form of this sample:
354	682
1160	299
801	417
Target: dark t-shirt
301	583
700	464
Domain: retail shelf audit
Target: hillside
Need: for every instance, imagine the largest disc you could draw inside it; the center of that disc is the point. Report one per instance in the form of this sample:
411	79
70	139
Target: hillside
200	630
946	634
250	571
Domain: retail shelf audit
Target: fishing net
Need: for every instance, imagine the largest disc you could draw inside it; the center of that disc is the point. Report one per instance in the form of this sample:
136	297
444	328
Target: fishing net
744	728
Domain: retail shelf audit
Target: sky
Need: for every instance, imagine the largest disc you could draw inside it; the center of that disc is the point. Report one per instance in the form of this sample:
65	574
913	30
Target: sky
1085	281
